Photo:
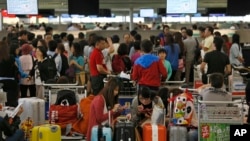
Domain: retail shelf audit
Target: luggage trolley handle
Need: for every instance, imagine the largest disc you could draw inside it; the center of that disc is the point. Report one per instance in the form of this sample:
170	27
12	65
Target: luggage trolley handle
64	87
189	89
174	82
70	84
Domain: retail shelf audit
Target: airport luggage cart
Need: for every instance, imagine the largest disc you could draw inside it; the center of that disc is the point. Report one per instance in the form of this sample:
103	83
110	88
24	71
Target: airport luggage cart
215	118
50	90
236	83
50	94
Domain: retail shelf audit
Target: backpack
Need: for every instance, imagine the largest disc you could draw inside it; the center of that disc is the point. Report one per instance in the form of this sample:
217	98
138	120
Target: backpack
65	64
52	70
81	125
118	62
183	109
127	62
66	94
197	52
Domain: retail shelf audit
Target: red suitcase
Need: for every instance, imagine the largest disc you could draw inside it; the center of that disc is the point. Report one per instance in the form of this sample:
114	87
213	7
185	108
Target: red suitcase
153	132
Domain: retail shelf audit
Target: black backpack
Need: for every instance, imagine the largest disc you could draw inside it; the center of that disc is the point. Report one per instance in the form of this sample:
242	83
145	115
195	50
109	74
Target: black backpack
197	52
65	64
127	62
52	70
66	94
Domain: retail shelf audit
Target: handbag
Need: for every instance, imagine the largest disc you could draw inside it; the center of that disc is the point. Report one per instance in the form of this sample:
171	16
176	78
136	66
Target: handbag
70	72
158	115
63	114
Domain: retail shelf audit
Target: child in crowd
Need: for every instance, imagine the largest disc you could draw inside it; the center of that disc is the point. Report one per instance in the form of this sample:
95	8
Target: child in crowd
162	53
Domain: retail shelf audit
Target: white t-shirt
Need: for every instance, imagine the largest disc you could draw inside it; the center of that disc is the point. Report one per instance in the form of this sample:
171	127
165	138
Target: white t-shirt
38	80
107	58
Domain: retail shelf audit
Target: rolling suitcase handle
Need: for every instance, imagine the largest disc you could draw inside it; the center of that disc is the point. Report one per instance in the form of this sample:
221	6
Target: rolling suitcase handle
109	116
100	135
171	107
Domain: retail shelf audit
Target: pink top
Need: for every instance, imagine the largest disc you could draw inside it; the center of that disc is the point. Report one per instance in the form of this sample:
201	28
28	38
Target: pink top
135	56
26	64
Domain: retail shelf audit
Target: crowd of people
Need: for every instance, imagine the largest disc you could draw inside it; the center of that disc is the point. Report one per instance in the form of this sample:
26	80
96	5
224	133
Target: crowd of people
28	60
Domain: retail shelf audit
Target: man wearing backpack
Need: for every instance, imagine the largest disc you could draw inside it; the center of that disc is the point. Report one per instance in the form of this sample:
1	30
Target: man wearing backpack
52	54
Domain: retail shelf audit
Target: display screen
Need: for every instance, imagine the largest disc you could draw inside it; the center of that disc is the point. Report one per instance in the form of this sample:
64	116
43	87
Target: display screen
22	7
146	12
83	7
238	7
181	6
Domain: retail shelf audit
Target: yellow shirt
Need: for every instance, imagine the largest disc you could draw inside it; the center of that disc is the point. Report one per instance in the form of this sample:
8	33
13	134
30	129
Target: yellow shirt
208	43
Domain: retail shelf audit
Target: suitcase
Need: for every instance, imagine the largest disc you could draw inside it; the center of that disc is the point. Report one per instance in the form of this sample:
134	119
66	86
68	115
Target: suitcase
153	132
124	131
177	133
101	132
33	108
46	132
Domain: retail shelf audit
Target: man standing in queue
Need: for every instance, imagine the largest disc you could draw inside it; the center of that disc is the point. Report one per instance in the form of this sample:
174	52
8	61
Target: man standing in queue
98	69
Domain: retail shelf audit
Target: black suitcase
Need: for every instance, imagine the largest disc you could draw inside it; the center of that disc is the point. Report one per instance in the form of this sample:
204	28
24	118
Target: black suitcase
124	131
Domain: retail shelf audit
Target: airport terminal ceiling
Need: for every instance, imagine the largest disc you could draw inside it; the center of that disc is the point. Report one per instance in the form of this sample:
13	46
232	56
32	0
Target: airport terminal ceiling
122	5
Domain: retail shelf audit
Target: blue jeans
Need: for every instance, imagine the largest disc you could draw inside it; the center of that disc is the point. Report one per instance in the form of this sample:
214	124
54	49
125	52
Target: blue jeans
193	135
17	136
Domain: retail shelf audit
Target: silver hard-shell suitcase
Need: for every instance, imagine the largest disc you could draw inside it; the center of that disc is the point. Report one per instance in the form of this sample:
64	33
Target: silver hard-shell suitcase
34	108
177	133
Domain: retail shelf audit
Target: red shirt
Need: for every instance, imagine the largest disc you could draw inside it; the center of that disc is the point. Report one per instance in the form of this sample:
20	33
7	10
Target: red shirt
96	58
